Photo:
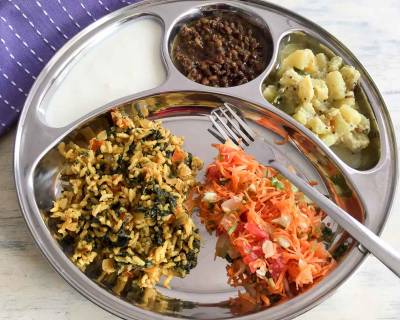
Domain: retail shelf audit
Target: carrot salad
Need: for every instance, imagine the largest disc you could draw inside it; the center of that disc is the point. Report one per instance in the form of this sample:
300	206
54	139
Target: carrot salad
268	231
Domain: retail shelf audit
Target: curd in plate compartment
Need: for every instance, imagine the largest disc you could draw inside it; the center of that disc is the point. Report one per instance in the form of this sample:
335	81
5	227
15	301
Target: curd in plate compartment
126	62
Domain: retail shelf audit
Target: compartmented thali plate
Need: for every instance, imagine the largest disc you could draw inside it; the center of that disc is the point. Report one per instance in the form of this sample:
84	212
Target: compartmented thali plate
183	105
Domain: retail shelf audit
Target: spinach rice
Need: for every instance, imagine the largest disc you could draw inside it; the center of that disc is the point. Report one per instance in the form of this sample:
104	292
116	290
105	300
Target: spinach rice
122	211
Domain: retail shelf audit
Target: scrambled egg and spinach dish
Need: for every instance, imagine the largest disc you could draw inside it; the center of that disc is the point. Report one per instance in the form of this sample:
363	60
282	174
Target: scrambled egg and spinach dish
319	93
122	211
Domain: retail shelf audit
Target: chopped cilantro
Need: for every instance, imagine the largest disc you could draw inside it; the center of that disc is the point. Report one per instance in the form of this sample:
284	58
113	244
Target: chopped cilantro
131	149
164	197
232	229
158	237
132	182
188	160
300	72
190	263
153	135
168	154
122	166
277	184
111	130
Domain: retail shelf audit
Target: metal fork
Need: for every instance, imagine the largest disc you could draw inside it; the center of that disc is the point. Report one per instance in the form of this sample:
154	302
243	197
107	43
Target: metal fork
231	126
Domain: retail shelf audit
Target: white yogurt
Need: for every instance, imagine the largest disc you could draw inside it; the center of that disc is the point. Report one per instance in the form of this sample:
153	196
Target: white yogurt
126	62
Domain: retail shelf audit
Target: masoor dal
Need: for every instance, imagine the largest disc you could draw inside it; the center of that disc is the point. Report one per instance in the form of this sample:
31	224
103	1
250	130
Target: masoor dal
122	211
319	93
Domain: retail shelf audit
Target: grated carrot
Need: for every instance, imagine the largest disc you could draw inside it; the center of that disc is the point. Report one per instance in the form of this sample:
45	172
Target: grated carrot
274	231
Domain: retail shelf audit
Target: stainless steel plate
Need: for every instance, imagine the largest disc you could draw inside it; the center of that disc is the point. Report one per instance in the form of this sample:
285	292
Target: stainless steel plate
203	295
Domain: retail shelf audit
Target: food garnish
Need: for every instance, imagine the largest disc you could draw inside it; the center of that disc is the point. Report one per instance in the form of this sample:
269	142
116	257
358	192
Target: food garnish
319	92
268	231
122	214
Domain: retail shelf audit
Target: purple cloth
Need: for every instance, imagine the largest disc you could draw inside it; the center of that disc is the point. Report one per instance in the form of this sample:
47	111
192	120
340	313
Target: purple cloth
31	31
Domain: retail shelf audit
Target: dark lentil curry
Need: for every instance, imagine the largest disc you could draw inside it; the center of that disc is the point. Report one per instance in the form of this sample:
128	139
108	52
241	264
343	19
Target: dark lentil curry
220	51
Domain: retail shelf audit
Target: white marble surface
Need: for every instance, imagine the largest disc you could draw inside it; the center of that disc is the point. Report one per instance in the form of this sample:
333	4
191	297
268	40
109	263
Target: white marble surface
31	289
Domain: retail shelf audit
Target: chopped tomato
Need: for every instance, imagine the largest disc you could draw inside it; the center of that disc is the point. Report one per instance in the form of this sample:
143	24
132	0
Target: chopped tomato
213	173
250	258
276	267
95	144
255	231
258	251
178	155
242	246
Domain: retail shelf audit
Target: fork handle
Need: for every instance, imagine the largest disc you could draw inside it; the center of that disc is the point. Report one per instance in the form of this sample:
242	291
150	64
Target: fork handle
374	244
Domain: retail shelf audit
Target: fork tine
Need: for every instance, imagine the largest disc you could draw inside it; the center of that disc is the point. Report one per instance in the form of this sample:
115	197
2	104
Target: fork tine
233	135
216	134
243	135
242	123
220	130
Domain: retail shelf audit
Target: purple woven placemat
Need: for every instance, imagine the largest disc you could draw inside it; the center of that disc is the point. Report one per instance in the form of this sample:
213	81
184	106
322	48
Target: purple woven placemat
31	31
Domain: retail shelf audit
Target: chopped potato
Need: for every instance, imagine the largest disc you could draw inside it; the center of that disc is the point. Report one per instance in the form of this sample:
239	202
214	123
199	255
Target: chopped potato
336	85
350	76
320	89
364	125
351	115
322	62
319	93
329	139
335	63
300	59
290	78
341	127
355	141
308	107
301	116
270	92
306	91
320	106
318	126
304	113
348	100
